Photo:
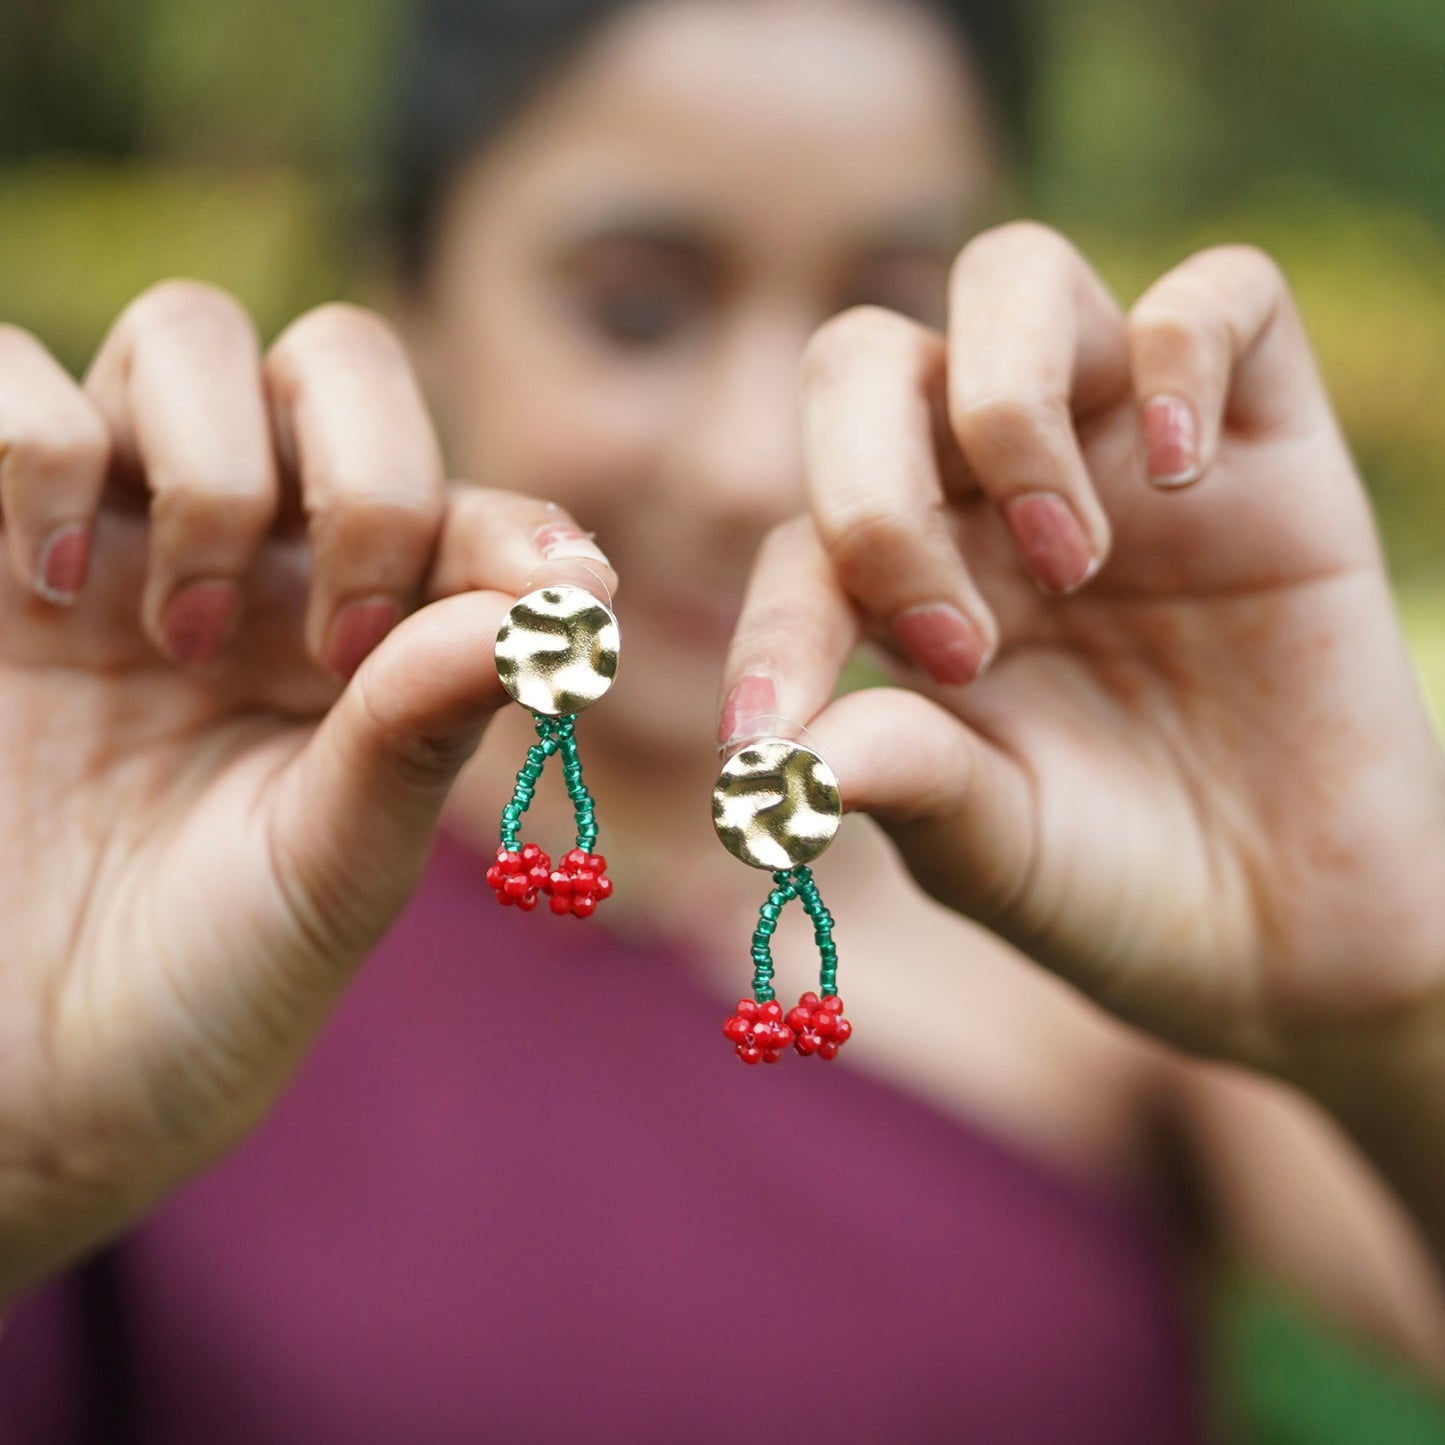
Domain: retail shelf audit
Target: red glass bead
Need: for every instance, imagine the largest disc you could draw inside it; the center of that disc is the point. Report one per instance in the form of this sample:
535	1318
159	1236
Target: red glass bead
518	876
819	1025
756	1032
580	881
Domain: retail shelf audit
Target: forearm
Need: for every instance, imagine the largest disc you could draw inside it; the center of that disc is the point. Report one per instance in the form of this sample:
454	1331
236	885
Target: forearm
1386	1084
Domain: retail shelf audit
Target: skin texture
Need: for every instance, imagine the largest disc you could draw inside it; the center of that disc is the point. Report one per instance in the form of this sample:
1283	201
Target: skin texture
1193	780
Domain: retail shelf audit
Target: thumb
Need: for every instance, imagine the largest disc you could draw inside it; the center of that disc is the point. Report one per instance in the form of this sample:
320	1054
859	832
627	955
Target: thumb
958	808
358	808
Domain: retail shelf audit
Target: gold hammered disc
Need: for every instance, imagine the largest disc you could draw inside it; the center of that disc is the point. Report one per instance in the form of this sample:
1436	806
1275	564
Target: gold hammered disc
557	650
776	804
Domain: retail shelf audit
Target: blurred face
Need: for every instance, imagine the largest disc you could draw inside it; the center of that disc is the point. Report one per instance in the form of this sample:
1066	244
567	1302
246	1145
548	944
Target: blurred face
625	281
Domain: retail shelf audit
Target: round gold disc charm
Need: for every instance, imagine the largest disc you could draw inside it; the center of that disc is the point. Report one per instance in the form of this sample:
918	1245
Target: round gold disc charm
557	650
776	804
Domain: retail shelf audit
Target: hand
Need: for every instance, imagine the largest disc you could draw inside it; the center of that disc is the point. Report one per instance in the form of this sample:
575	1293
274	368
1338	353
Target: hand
203	829
1200	785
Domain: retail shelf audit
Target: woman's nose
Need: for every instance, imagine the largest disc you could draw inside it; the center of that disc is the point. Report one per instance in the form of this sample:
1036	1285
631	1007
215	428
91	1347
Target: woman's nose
741	451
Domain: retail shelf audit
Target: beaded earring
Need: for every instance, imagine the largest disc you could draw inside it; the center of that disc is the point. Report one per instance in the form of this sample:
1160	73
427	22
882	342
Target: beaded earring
556	654
776	806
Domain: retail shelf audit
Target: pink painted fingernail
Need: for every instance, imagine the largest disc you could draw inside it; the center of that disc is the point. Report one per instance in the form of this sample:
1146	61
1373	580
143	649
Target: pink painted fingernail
752	697
356	629
197	619
566	539
943	642
1052	540
1171	440
64	558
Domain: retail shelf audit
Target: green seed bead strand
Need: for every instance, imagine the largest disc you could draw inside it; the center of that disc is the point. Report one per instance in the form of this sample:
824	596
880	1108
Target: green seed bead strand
782	894
790	883
526	784
822	931
554	735
583	808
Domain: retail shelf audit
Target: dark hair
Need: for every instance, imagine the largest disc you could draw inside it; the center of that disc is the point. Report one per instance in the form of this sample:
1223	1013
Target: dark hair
469	65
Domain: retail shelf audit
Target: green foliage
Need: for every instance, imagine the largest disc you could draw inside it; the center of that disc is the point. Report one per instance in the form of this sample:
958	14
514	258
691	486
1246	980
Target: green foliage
79	239
1284	1380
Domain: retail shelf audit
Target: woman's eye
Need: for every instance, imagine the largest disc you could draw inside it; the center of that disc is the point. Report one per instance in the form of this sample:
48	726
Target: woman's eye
640	316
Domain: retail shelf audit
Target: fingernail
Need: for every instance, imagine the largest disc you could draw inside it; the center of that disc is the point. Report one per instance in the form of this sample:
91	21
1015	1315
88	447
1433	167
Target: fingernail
1171	441
197	619
943	642
356	629
566	539
752	697
64	558
1052	540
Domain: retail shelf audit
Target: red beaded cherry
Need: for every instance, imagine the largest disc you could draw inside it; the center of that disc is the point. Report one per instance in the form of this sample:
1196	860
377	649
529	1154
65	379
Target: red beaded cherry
519	875
757	1031
579	883
819	1025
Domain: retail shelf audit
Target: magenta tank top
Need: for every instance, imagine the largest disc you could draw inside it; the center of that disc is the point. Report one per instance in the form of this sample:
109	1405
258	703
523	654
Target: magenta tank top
522	1190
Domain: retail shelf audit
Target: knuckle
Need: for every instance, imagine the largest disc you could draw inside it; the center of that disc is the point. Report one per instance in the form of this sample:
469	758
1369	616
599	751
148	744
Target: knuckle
862	542
185	508
1252	264
1013	239
191	306
835	348
45	450
1163	338
339	326
15	340
990	429
423	760
345	517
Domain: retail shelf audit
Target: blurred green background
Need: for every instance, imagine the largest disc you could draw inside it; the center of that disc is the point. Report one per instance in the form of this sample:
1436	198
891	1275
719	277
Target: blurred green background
230	140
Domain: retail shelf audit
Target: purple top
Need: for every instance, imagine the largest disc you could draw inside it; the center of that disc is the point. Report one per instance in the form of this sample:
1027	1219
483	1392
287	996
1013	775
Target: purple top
522	1190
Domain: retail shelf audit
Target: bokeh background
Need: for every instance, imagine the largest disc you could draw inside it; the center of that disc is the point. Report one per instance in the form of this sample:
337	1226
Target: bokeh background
231	140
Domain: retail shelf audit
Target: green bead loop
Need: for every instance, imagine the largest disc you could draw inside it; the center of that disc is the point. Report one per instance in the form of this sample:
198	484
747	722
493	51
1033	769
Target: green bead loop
793	883
554	735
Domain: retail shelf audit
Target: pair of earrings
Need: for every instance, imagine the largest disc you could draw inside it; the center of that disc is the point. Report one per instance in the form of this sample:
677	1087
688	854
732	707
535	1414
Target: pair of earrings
776	806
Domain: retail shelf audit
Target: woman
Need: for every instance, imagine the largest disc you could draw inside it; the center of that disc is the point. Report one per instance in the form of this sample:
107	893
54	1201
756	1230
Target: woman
1154	729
